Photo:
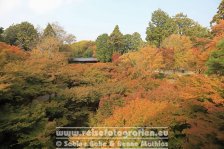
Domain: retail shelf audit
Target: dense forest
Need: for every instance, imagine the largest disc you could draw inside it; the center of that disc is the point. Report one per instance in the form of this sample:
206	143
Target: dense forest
173	78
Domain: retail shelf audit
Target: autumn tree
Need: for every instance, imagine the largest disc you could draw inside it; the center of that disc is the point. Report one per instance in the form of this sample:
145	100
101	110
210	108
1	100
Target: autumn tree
23	35
35	76
168	57
49	43
219	15
10	53
145	61
116	40
160	27
218	29
62	35
103	51
54	38
216	60
180	47
49	31
83	48
198	60
136	113
3	85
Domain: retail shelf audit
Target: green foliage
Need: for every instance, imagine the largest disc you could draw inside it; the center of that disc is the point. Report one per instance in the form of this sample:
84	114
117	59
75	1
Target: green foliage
137	40
160	27
132	42
49	31
1	32
216	60
219	15
83	49
40	91
10	34
199	108
188	27
23	35
104	51
45	92
117	40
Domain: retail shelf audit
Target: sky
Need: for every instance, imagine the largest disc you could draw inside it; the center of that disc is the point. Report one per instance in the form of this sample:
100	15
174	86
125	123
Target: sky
87	19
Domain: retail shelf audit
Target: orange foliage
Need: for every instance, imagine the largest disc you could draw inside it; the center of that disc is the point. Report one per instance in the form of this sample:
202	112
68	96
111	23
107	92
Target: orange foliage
218	29
115	57
167	91
199	59
201	87
168	56
136	113
38	63
9	48
3	85
145	61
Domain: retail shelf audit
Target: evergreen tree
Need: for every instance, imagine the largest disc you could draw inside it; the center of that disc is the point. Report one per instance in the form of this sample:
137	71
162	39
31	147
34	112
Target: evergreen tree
137	41
132	42
188	27
1	32
103	51
116	40
160	27
219	15
49	31
216	61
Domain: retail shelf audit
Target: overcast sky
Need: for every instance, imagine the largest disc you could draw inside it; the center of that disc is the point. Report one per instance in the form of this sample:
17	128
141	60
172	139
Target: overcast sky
87	19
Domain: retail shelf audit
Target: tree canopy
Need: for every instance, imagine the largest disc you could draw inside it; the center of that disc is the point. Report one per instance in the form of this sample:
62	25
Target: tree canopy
104	51
49	31
219	15
216	60
116	40
160	27
23	35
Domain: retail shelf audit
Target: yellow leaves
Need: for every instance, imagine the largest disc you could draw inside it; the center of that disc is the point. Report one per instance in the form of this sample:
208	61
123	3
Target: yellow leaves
146	60
3	85
39	62
136	113
49	43
181	46
177	42
199	86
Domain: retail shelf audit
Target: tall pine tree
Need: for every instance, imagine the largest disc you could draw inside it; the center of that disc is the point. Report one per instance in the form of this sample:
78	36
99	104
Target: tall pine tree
103	51
160	27
117	40
49	31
